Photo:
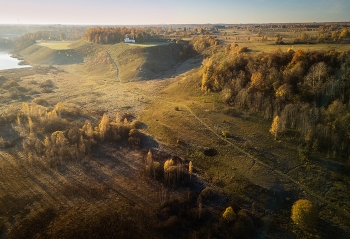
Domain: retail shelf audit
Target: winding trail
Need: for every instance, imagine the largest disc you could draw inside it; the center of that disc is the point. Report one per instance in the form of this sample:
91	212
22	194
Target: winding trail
113	61
280	173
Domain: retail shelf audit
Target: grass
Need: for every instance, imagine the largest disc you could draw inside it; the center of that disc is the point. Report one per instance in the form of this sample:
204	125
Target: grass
58	45
148	44
129	57
231	169
55	55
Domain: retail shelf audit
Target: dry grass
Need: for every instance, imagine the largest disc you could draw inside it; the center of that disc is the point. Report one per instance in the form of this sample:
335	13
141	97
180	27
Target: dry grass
58	45
267	164
255	44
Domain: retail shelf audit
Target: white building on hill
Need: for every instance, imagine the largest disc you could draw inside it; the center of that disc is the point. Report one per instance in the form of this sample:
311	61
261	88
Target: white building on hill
129	40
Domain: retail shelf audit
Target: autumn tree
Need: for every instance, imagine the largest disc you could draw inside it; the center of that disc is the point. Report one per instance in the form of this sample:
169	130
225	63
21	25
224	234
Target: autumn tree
229	215
103	126
304	214
59	107
315	76
275	127
87	129
190	168
257	82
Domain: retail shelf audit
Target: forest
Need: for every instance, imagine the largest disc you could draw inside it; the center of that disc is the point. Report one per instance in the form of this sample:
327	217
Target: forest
305	92
115	35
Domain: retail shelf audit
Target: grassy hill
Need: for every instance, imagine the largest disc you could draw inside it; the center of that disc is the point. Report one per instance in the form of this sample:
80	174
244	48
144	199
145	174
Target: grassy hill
133	61
54	53
143	61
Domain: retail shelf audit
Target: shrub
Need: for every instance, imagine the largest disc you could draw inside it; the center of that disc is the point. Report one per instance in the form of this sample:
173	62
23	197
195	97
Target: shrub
225	134
176	108
136	124
229	215
304	214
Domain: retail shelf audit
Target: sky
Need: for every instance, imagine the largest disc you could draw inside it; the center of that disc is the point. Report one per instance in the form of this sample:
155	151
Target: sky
150	12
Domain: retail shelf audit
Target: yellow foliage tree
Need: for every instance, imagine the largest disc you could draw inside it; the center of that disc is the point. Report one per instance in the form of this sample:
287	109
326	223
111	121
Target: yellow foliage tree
87	129
117	118
59	107
103	126
30	125
283	92
168	164
25	108
304	214
275	127
52	116
190	168
257	82
229	215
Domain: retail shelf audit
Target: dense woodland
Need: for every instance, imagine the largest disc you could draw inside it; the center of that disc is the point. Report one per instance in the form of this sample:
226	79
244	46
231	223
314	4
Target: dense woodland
308	91
114	35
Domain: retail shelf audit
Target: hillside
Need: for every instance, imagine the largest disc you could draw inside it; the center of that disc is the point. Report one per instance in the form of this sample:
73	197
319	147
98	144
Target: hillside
234	148
45	55
131	61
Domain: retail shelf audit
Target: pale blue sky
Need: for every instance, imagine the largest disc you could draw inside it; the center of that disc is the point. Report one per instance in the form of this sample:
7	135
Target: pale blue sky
129	12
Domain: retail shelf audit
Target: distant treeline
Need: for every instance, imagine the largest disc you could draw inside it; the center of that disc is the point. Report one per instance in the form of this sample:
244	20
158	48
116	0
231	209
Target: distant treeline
309	91
115	34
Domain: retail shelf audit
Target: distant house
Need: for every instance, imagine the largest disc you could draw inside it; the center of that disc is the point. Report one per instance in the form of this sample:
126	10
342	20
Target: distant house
129	40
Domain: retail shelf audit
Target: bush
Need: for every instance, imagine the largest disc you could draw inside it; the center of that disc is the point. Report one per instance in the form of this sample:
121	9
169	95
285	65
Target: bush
177	108
304	214
229	215
225	134
136	124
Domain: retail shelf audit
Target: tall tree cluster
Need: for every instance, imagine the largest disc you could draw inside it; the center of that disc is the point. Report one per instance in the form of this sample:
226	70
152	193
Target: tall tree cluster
308	91
111	35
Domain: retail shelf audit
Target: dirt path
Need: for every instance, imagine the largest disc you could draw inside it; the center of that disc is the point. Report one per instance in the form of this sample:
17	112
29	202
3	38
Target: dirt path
113	61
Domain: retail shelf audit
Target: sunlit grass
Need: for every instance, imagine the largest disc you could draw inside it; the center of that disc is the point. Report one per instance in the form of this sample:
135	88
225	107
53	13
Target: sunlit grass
147	44
57	45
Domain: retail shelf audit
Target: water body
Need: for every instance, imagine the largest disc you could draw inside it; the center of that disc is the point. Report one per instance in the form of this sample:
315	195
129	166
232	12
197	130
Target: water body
8	62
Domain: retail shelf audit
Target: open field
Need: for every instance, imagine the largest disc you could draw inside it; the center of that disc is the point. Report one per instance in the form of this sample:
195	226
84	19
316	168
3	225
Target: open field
253	41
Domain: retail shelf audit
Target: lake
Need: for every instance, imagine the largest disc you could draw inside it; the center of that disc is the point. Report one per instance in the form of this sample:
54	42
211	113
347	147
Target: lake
8	62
